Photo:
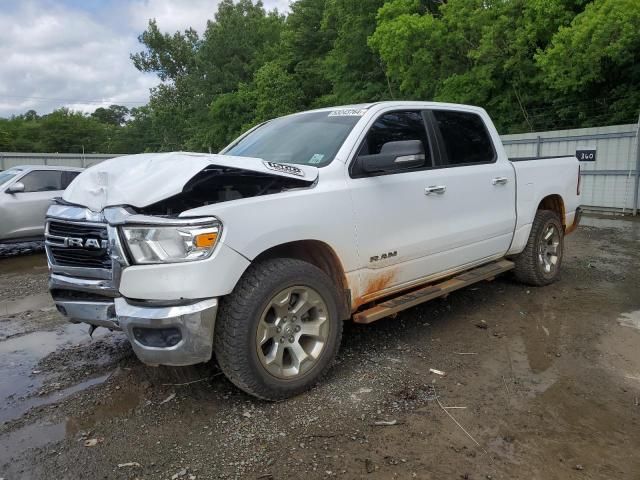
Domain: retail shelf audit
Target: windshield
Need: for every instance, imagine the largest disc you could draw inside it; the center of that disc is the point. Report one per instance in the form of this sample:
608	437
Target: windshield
8	175
305	139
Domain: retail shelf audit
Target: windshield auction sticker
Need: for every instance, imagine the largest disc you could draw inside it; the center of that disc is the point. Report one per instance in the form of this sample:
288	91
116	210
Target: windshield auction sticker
348	112
284	168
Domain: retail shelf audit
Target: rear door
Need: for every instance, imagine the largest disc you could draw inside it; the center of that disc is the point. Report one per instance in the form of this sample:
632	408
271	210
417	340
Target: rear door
474	218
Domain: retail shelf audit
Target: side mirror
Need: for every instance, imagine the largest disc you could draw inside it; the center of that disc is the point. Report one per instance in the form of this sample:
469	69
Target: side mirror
394	156
17	187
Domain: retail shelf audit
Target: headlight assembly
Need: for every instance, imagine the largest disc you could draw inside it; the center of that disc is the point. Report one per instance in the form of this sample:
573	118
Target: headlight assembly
171	244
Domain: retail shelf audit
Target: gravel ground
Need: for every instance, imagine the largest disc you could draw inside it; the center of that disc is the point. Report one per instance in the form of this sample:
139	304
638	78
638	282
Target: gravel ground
541	383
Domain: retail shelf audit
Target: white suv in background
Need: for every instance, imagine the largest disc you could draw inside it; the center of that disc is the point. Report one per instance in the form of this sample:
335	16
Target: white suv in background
25	194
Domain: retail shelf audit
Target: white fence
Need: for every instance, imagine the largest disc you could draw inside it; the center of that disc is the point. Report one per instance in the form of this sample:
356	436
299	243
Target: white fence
11	159
609	183
612	182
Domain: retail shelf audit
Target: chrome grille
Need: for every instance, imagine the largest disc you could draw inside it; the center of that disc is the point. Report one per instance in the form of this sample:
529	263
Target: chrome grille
75	244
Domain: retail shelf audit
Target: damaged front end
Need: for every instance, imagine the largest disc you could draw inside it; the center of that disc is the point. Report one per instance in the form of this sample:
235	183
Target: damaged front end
88	254
122	256
216	184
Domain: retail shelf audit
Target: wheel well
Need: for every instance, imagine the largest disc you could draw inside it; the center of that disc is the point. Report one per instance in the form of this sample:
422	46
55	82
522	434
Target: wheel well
322	256
555	204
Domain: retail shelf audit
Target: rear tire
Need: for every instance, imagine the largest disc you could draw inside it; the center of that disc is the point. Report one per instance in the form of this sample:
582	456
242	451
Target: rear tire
278	332
540	261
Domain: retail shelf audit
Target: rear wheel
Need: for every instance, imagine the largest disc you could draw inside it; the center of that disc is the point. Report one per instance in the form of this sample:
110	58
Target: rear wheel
540	261
278	332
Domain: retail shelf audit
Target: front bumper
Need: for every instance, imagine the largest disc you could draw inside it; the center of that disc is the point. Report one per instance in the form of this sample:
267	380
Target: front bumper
194	322
174	323
176	335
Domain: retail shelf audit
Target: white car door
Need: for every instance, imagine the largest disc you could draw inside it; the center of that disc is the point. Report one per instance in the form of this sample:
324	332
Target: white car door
25	211
474	218
392	218
424	222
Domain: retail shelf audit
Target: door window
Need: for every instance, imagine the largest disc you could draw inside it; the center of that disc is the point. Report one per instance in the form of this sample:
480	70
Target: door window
465	137
42	181
394	127
67	178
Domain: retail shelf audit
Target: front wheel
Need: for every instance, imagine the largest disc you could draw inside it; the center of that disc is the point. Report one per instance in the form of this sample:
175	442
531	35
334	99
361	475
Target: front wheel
540	261
279	331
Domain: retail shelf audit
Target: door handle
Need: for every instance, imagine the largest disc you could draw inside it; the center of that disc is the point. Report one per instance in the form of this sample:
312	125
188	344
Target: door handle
439	189
499	181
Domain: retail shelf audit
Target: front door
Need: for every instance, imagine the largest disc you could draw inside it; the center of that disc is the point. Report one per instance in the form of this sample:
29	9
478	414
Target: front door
392	226
25	211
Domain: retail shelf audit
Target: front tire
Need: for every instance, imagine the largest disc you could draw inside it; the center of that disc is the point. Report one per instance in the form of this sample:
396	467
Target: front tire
540	261
279	330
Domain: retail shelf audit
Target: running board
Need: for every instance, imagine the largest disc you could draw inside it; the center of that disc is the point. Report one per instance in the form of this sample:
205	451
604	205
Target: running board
416	297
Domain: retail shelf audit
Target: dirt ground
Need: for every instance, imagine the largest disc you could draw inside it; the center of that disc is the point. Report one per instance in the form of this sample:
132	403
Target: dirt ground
541	383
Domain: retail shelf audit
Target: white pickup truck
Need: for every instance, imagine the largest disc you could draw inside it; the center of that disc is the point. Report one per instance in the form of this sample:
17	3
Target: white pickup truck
261	252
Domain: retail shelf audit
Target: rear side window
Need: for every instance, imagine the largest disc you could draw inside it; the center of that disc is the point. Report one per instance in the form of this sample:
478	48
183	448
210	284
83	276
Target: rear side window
465	137
67	178
42	181
393	127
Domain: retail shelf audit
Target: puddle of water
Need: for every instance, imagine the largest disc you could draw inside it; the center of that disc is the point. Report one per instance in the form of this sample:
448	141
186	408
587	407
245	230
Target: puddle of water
19	356
515	363
41	301
31	436
631	320
39	434
24	264
120	403
18	409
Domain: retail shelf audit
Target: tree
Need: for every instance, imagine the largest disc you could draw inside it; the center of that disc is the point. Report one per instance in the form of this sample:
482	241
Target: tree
169	56
240	39
229	115
354	69
236	43
597	57
276	92
113	115
66	131
473	51
305	46
533	64
6	143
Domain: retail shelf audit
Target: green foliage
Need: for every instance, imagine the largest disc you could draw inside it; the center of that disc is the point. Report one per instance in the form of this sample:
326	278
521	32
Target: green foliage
353	68
597	56
304	47
115	115
533	64
230	114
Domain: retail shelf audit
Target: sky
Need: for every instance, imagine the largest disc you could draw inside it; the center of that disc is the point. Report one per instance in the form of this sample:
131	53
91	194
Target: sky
75	53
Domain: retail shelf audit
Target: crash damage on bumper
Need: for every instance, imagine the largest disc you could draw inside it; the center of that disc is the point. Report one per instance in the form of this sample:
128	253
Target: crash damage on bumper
174	332
167	310
176	335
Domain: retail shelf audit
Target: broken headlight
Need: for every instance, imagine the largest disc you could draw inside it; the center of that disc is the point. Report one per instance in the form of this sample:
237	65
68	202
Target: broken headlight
170	244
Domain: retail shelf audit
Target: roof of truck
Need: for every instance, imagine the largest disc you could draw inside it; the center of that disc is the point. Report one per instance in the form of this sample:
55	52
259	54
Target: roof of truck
398	103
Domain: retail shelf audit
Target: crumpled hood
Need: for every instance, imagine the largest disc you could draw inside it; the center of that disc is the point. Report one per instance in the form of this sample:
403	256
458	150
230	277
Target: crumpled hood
141	180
